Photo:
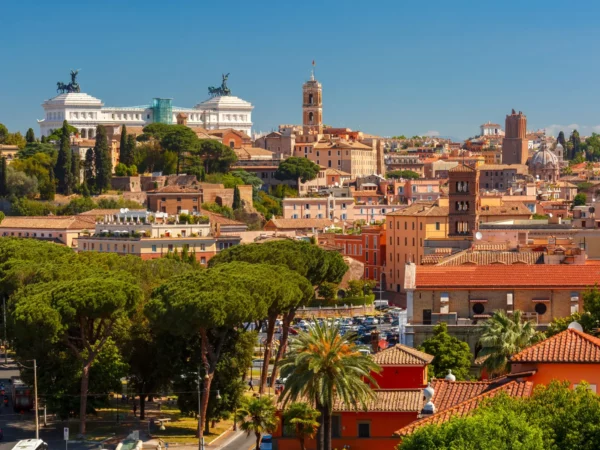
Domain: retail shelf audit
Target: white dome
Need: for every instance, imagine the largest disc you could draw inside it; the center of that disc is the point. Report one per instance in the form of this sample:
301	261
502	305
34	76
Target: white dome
543	157
428	392
559	145
223	102
450	376
74	99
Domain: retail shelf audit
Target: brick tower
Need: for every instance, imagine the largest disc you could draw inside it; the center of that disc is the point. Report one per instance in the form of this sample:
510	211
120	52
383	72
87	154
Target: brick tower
312	106
515	145
463	199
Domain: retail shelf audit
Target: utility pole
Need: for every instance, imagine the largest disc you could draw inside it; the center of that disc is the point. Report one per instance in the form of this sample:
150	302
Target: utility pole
5	340
35	393
200	424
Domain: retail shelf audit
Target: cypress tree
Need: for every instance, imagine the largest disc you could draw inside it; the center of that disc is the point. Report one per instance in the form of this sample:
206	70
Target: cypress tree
43	139
88	167
102	160
3	177
49	195
62	170
561	139
75	170
30	136
130	150
237	198
123	146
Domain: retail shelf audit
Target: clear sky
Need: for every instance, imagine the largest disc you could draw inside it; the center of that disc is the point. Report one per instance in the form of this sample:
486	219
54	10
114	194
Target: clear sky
387	67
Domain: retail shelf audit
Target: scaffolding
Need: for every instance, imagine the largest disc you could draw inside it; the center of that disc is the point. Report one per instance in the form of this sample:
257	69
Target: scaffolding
162	110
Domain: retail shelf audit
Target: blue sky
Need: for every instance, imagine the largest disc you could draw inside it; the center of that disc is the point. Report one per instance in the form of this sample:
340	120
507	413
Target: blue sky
387	67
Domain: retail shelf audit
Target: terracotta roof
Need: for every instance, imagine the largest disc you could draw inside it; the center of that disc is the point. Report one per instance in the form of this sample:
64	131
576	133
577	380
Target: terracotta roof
341	173
499	276
570	346
401	400
402	355
249	152
432	259
462	168
513	388
506	209
219	218
300	224
489	247
386	400
100	212
520	168
49	222
175	189
451	393
487	257
422	209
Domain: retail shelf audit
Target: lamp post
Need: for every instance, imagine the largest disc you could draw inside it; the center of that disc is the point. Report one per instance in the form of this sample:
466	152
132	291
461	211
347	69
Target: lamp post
35	393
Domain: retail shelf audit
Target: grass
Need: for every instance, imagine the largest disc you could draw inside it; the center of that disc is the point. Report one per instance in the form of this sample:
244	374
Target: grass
183	431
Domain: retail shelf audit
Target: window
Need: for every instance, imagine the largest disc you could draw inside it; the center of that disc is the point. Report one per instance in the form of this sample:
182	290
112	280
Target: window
336	426
178	199
367	256
591	387
364	430
437	226
154	248
367	273
405	241
231	144
421	226
203	260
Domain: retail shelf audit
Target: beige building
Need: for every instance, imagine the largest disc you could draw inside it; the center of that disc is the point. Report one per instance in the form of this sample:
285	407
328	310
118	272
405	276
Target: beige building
61	229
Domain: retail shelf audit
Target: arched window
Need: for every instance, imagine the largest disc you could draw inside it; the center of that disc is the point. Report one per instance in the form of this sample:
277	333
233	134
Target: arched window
310	117
232	144
310	99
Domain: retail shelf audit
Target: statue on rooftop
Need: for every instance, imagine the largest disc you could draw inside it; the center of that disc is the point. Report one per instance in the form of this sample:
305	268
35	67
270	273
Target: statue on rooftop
73	86
221	90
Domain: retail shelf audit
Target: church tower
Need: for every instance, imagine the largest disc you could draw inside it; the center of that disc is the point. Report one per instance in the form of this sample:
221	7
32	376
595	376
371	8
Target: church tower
312	106
515	147
463	201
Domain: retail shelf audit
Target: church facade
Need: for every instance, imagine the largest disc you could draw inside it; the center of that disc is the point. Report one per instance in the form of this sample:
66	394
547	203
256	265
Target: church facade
85	112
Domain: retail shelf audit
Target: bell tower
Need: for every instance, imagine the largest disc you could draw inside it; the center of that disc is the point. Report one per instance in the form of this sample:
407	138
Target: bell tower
312	106
463	201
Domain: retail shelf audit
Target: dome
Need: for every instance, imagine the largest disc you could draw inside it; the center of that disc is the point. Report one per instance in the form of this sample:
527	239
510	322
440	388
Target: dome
559	146
428	392
223	102
544	157
450	376
74	99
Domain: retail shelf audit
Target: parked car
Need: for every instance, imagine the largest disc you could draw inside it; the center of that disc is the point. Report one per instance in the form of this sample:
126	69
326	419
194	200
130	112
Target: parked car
267	442
371	321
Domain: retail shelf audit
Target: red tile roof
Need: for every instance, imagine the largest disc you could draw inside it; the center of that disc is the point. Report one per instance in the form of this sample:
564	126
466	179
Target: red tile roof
570	346
402	355
513	388
486	257
501	276
450	393
48	222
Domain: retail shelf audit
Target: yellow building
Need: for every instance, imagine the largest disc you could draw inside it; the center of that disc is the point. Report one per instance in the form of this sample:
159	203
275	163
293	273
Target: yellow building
406	233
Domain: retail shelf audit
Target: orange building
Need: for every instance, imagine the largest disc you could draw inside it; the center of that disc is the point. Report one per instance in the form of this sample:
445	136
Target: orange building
368	248
572	356
392	407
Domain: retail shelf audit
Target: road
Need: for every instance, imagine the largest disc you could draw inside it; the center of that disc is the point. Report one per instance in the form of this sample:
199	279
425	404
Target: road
240	441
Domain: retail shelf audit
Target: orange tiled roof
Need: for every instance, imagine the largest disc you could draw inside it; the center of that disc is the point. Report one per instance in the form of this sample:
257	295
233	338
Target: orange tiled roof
513	388
402	355
570	346
432	259
501	276
507	208
462	168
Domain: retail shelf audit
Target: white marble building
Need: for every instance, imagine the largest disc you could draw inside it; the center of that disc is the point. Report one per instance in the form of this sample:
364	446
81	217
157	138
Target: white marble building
85	112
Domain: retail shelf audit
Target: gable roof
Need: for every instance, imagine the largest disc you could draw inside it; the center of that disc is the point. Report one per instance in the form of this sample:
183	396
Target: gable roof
402	355
462	168
513	388
570	346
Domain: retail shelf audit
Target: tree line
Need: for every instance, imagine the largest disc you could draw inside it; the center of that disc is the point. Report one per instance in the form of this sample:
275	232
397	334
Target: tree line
90	319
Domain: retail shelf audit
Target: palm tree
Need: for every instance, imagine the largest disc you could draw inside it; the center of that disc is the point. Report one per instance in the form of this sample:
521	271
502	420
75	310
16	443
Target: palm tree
304	420
503	336
257	415
323	367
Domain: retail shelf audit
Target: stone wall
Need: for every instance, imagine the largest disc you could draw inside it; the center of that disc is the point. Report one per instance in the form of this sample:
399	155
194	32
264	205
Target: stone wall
126	184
